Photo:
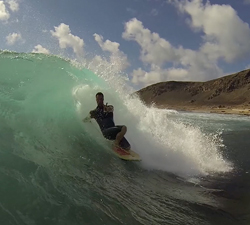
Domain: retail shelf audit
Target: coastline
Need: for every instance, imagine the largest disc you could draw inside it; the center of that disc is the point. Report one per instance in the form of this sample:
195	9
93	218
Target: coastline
237	110
229	94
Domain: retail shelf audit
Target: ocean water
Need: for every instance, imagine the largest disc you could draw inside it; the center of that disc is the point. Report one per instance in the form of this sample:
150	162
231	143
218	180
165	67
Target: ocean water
55	169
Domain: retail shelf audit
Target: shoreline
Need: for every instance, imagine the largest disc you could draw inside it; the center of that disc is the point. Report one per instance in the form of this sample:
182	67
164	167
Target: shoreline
242	111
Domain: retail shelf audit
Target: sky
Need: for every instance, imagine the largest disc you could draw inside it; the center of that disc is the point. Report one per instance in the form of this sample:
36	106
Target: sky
148	40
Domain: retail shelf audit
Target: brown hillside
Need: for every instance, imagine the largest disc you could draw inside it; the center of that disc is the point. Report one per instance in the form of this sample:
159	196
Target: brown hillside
225	92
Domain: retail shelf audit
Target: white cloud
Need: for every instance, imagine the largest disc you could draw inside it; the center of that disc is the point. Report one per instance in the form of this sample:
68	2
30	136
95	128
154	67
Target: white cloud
195	72
117	57
154	12
66	39
14	38
158	74
40	49
141	76
247	1
112	47
14	5
226	36
156	52
4	13
154	49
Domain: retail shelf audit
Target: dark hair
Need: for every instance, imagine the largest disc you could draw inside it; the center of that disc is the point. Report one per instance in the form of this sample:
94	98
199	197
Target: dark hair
99	93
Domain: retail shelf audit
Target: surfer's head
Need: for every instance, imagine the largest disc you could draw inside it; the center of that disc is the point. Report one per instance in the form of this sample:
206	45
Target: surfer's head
99	98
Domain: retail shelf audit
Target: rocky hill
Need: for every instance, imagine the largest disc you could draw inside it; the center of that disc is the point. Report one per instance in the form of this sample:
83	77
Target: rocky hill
231	91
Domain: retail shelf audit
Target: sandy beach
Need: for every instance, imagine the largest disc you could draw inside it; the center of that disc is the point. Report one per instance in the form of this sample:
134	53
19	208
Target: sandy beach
240	110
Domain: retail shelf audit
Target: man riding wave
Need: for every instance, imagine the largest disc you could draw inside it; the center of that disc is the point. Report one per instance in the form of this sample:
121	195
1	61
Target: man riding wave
104	116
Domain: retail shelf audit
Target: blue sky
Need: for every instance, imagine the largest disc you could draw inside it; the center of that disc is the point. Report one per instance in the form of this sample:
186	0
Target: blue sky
151	40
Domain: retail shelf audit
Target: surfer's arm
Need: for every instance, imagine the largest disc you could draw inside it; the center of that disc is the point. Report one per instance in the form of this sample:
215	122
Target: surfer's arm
87	119
90	116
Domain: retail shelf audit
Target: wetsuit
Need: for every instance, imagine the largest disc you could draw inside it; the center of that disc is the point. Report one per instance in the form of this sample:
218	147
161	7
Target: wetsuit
106	122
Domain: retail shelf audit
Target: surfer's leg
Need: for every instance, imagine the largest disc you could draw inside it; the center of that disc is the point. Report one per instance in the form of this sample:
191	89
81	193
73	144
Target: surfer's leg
115	133
120	135
111	133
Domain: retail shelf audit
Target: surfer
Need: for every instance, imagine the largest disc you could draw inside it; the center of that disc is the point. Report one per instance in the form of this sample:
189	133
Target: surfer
104	116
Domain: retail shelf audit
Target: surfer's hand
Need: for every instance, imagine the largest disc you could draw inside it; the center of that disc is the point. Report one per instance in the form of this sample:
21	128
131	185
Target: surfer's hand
109	108
86	119
105	107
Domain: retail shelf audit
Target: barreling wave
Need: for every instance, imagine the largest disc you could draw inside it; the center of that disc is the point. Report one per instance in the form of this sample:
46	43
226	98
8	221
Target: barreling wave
43	99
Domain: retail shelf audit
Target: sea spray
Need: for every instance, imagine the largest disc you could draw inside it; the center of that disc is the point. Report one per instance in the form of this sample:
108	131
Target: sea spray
162	143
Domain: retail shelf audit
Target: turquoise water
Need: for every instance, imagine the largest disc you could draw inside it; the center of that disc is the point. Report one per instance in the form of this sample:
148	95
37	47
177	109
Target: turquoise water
55	169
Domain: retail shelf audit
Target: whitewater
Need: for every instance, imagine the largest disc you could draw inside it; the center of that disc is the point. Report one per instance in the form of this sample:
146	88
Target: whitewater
55	169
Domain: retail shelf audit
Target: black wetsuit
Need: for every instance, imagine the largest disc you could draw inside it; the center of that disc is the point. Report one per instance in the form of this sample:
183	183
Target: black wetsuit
106	123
